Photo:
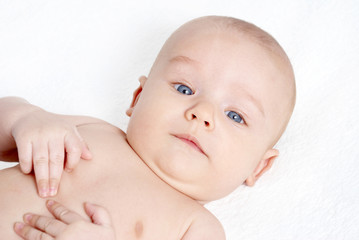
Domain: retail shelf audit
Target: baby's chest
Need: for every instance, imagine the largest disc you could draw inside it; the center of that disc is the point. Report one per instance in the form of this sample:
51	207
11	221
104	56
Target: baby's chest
140	209
147	215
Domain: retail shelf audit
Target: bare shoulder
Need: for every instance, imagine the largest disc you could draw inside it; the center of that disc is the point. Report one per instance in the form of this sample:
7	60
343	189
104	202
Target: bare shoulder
205	226
100	126
103	137
98	132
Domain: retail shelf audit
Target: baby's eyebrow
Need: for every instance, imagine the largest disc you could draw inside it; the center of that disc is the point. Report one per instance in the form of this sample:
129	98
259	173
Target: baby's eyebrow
183	59
255	102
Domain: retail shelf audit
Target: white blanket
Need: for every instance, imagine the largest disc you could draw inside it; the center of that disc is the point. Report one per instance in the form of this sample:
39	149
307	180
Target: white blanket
85	56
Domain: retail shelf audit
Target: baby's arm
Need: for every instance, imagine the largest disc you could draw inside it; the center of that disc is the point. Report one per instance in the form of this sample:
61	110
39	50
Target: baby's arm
205	227
41	141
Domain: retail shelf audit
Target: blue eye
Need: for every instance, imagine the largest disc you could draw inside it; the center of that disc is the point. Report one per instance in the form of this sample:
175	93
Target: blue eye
234	116
183	89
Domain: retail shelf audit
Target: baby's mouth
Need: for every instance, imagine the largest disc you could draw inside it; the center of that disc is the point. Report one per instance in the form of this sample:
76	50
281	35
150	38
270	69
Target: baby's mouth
191	141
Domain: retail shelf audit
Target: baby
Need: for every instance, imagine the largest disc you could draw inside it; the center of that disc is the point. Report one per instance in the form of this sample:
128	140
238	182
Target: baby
204	121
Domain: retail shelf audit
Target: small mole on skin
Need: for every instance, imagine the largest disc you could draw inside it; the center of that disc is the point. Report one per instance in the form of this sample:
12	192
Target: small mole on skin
139	229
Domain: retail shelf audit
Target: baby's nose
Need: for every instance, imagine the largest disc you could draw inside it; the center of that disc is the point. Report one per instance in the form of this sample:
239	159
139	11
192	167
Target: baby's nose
203	113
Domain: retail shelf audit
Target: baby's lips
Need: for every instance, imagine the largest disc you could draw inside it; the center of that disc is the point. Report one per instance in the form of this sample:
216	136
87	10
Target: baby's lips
191	140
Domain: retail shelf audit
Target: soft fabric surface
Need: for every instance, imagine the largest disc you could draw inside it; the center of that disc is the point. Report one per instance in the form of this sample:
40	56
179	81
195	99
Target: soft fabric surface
84	57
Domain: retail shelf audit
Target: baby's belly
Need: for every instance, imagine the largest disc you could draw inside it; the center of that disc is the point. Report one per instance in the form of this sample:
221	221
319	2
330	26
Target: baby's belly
138	212
18	196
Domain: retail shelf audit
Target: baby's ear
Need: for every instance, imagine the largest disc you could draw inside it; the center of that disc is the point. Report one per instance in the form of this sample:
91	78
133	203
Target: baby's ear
264	165
136	95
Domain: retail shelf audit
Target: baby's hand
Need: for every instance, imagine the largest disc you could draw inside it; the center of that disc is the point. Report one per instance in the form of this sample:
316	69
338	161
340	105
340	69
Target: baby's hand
44	141
67	225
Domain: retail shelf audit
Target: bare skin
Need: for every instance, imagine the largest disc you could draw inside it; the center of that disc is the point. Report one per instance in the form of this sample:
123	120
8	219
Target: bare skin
125	185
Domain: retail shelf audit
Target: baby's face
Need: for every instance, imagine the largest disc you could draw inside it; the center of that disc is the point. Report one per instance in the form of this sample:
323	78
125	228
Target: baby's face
205	119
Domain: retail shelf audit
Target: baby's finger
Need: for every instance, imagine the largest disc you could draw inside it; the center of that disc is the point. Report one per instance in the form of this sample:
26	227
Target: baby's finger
99	215
48	225
56	165
24	149
62	213
41	167
73	151
85	152
30	233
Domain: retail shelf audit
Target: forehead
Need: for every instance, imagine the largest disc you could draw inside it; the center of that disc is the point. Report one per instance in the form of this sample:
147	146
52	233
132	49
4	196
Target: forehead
221	54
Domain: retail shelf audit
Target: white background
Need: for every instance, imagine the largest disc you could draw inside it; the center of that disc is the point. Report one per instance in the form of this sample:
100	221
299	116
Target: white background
84	57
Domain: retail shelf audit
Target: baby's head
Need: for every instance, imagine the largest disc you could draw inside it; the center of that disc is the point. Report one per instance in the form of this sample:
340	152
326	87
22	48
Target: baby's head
216	101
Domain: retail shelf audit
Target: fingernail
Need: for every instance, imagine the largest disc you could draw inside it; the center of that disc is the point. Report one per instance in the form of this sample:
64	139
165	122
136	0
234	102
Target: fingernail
53	191
50	203
28	217
19	226
43	192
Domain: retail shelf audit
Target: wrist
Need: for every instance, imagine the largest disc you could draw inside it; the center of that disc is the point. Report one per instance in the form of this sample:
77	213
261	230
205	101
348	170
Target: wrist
18	109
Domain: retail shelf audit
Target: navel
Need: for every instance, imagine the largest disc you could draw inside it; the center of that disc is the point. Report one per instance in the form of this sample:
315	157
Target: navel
139	229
